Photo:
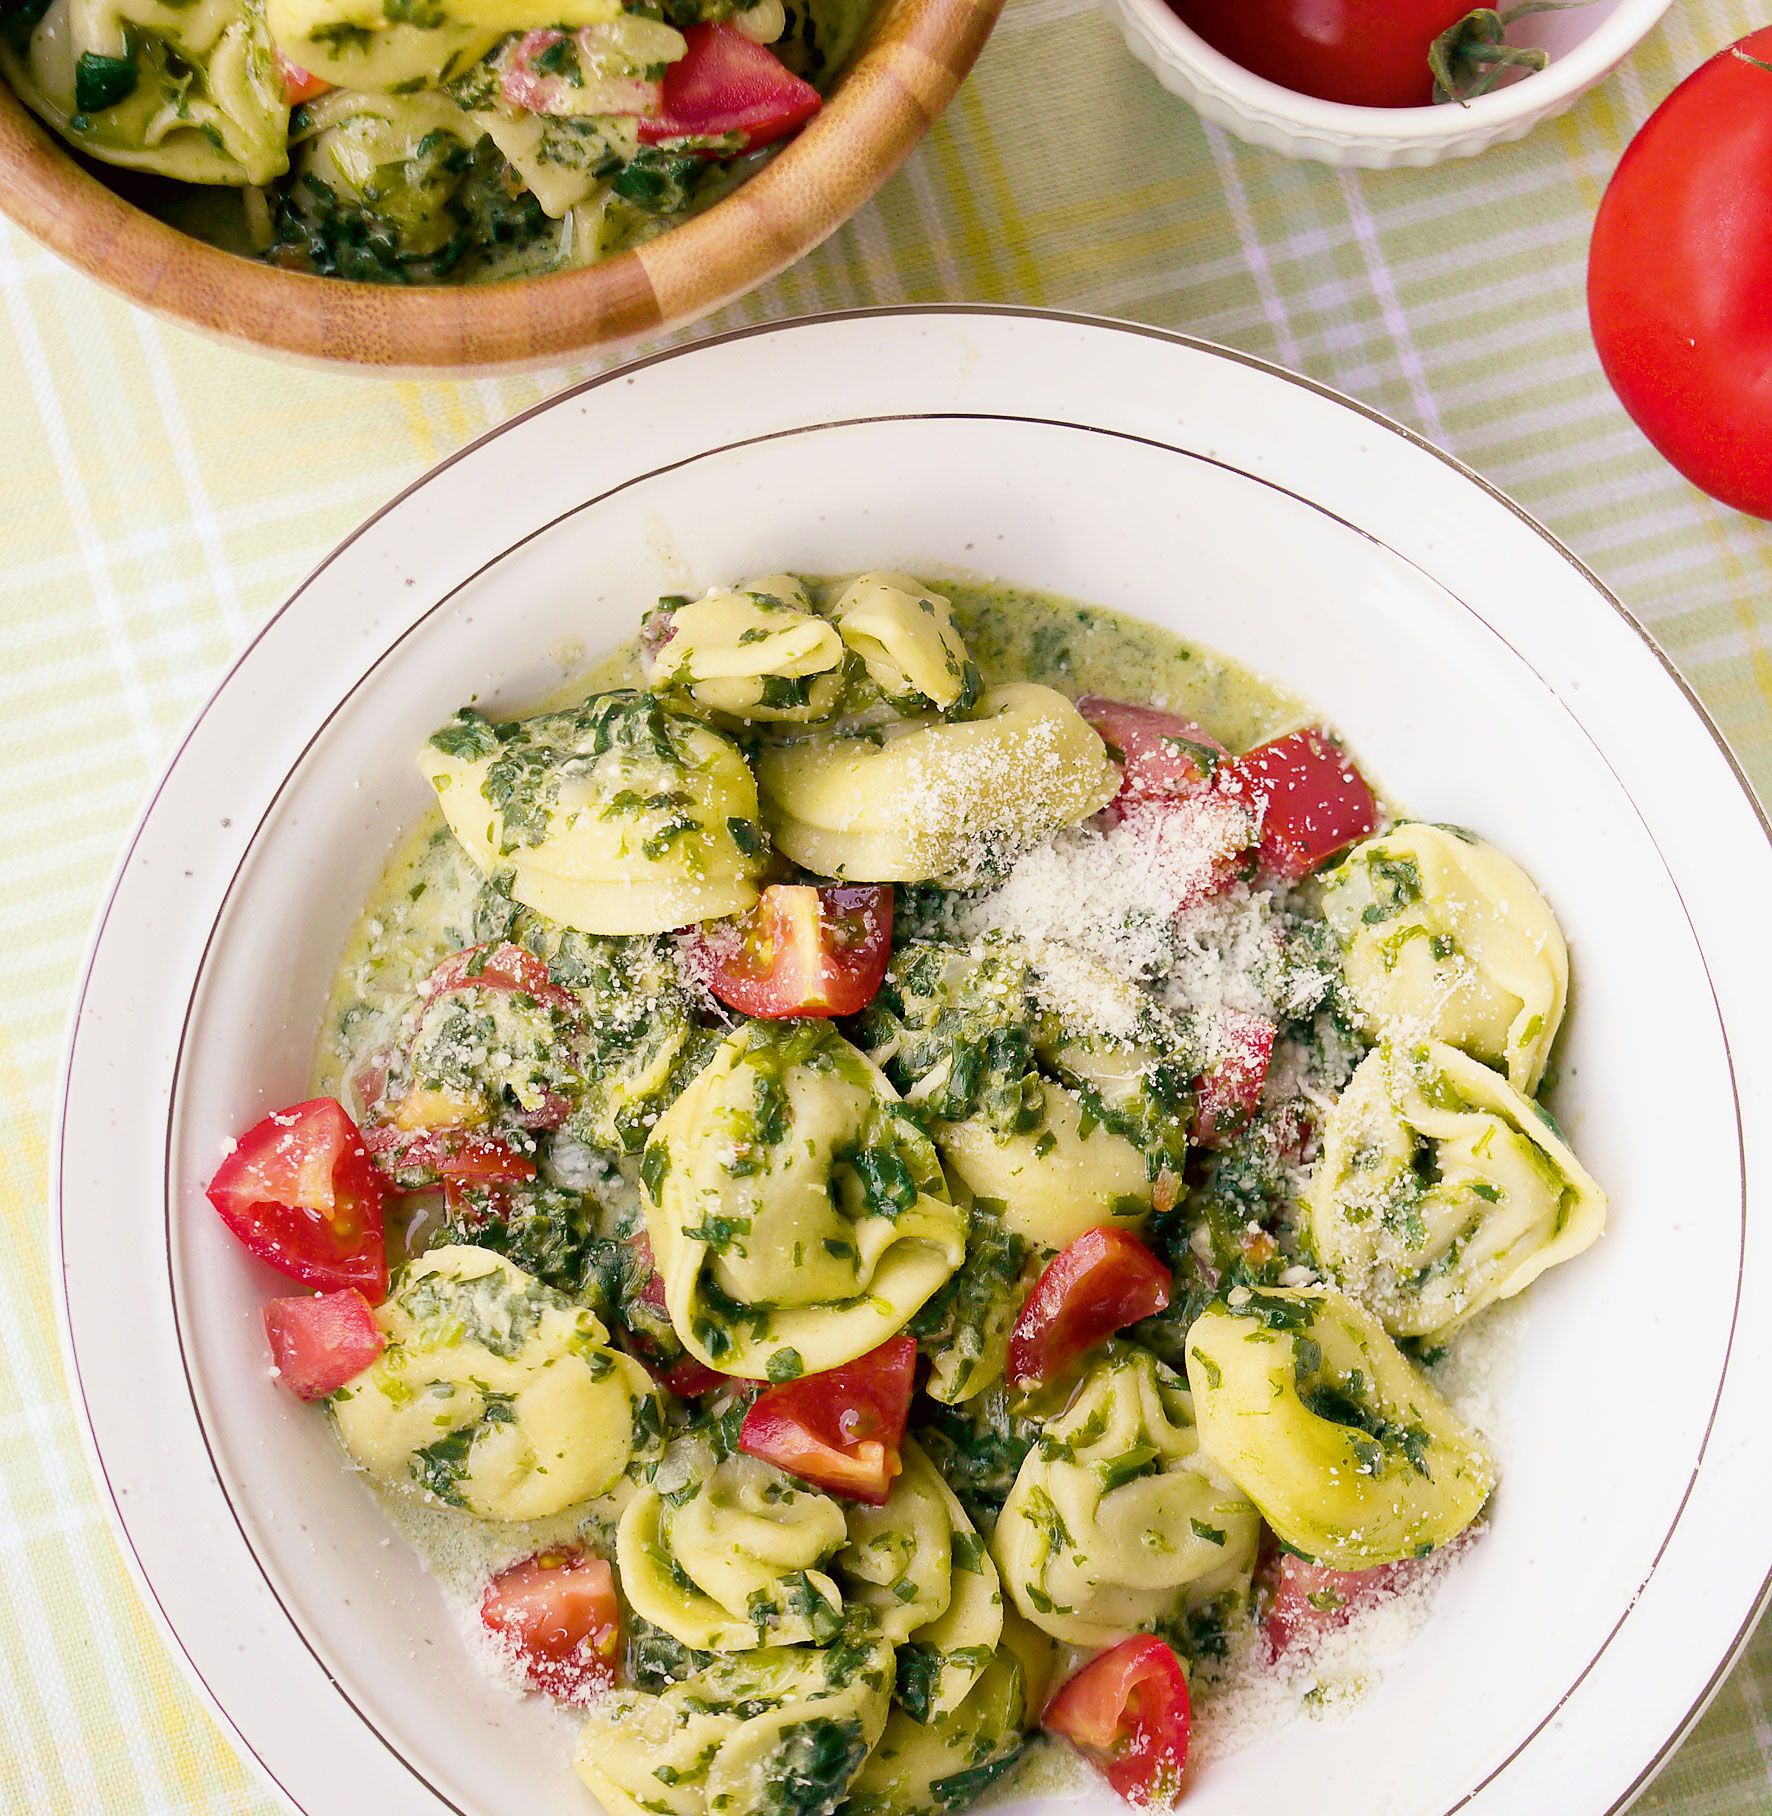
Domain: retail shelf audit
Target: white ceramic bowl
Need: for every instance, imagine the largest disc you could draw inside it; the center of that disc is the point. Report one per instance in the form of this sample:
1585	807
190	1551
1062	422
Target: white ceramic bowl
1480	671
1586	44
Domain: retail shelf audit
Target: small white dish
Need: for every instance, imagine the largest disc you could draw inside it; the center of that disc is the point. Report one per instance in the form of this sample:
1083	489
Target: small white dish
1480	671
1586	44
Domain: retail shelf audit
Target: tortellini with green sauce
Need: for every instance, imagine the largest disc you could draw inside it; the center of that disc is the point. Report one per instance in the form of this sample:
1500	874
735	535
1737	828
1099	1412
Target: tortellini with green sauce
757	652
618	816
1445	938
190	91
927	1767
923	1575
934	799
781	1731
495	1393
728	1553
1440	1190
371	44
1063	1173
798	1215
396	159
1351	1454
961	1033
907	641
1118	1520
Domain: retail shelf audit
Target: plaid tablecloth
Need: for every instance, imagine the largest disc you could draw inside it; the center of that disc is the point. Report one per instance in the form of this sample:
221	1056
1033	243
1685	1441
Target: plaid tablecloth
158	496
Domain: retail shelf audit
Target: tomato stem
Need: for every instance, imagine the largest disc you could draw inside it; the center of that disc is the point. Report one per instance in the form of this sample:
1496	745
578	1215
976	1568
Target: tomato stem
1468	58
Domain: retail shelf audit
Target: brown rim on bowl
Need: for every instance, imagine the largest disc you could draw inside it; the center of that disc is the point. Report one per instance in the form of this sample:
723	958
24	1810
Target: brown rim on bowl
912	60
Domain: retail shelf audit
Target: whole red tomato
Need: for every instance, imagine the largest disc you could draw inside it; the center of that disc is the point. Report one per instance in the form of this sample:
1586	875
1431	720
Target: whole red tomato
1366	53
1679	278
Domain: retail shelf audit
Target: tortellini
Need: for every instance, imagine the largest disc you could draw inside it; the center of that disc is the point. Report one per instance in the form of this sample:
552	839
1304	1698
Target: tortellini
1445	938
907	641
1118	1521
1352	1456
730	1554
960	1031
924	1768
190	91
495	1394
767	1733
798	1215
1440	1190
375	45
756	652
619	816
396	158
924	799
1066	1172
922	1573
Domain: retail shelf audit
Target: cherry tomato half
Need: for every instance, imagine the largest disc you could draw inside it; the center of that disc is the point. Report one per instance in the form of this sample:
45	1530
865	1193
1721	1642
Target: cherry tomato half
1364	53
1312	801
498	966
1309	1599
1161	755
417	1159
801	951
559	1621
300	1192
1094	1286
727	83
841	1430
1230	1093
320	1341
1128	1710
1679	272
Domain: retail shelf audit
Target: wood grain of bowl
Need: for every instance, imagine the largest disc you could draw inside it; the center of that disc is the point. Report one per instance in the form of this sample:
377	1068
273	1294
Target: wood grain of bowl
916	53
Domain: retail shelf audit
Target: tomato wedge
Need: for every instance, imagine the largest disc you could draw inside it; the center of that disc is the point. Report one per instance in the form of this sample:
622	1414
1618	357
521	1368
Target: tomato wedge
420	1158
1129	1712
320	1341
1230	1093
1311	799
1094	1286
300	1192
726	83
298	84
1310	1599
1161	755
498	965
558	1621
841	1430
801	951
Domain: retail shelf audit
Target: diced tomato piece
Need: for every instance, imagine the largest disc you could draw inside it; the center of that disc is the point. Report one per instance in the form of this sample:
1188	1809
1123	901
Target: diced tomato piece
727	83
690	1379
841	1430
1310	1599
801	951
420	1158
1311	799
1129	1712
558	1619
686	1377
498	966
1161	755
1230	1093
298	84
300	1191
1094	1286
320	1341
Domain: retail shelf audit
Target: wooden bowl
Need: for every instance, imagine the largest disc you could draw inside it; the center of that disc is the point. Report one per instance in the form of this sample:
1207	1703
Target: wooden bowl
913	58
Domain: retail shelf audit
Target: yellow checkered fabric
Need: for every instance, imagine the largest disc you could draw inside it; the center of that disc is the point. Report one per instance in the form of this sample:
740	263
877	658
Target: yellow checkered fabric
159	495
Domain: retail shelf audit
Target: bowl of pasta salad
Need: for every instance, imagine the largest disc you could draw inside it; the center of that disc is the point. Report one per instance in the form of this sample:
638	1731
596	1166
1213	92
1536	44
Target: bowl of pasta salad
811	1143
422	187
